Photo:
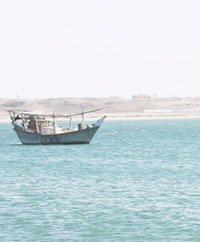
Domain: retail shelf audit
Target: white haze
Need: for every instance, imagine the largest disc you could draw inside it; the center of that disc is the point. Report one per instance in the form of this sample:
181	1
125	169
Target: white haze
99	48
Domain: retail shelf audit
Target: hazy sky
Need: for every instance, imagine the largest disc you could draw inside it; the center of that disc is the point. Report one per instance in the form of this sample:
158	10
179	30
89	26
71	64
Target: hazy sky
99	48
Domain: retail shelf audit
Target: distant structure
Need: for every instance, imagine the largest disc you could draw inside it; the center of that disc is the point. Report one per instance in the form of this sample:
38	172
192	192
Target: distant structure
142	97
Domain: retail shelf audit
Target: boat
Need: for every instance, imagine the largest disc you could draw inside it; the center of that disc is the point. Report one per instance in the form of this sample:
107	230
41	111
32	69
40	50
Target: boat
34	128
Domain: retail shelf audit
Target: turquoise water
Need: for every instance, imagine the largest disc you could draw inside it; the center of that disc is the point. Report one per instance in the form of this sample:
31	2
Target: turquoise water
136	181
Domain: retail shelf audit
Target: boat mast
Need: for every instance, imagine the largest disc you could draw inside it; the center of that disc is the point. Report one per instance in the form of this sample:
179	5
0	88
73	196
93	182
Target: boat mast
70	123
54	124
36	123
83	120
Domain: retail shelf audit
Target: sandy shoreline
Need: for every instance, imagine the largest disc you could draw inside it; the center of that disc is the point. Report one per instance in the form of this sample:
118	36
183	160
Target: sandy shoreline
170	117
127	118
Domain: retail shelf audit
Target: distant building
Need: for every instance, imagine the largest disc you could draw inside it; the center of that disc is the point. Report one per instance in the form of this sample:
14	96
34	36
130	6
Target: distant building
142	97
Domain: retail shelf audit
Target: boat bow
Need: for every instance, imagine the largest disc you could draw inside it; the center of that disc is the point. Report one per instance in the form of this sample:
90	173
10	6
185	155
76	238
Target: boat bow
99	122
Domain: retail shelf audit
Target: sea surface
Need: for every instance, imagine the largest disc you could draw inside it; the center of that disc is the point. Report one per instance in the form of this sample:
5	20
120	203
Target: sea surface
136	181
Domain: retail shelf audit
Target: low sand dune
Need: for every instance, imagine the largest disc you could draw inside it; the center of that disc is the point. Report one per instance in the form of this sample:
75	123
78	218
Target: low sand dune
114	107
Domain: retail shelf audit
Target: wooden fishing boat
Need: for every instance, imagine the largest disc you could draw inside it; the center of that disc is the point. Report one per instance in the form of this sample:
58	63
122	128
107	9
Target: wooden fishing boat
39	128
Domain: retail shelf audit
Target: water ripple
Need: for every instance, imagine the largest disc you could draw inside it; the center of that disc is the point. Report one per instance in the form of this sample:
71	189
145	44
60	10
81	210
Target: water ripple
136	181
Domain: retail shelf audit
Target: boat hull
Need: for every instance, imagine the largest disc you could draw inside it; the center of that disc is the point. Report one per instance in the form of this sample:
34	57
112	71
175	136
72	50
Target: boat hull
83	136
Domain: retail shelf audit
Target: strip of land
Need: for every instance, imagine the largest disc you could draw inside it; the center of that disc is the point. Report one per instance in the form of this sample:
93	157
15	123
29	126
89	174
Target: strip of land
116	108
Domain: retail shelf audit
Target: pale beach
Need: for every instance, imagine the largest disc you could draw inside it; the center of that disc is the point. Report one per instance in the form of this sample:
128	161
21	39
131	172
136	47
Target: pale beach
138	107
